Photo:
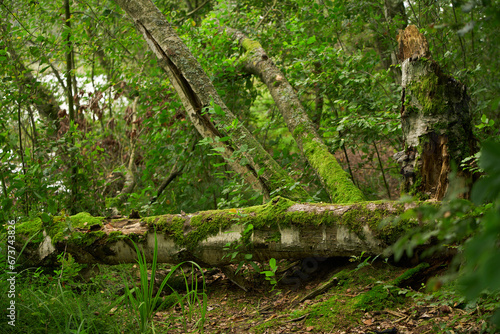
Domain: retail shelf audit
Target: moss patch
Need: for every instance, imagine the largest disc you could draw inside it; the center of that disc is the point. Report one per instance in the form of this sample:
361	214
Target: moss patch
334	178
77	227
250	45
170	226
115	236
85	220
386	295
30	228
429	92
337	309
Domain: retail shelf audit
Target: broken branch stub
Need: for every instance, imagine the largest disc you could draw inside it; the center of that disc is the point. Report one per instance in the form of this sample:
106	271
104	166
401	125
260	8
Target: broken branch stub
435	119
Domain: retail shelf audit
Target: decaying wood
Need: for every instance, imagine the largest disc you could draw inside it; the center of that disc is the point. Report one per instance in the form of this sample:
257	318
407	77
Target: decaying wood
412	44
435	119
333	281
281	229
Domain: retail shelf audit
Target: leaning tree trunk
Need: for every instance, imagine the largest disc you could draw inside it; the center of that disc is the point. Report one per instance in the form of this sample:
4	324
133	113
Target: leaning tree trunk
435	120
334	179
205	108
280	229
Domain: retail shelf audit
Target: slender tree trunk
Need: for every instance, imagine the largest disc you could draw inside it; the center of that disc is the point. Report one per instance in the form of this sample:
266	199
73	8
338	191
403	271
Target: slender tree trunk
335	180
319	101
21	151
69	94
69	62
205	108
130	179
381	166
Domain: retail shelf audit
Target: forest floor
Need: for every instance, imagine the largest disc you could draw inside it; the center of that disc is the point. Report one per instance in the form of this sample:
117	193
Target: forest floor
361	297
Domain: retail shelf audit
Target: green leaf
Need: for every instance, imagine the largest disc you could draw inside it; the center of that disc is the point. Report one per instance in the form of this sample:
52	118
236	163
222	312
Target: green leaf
488	187
272	263
311	40
218	149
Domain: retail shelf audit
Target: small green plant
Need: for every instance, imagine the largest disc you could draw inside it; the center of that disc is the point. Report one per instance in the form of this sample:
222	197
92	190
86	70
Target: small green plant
366	261
232	248
144	303
50	307
69	268
190	303
271	273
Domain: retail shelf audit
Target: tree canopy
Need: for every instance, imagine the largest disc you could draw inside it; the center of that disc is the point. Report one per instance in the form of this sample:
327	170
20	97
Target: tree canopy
127	108
338	57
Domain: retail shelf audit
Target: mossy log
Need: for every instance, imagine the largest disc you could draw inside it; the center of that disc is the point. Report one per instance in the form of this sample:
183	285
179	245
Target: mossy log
279	229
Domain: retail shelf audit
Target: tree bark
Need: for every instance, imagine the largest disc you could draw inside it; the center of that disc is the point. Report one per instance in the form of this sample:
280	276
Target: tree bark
279	229
435	120
334	179
74	194
205	108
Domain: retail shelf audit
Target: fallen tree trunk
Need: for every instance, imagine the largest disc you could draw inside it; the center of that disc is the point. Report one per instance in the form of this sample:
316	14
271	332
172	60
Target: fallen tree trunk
280	229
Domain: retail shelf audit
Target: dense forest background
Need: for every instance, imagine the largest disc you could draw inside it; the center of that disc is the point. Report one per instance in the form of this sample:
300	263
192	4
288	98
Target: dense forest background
90	122
130	133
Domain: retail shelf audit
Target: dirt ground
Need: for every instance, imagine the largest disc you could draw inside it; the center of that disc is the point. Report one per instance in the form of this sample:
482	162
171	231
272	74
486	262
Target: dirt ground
348	304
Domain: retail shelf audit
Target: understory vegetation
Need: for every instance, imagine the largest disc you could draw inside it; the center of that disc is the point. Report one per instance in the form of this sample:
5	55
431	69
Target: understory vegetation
91	127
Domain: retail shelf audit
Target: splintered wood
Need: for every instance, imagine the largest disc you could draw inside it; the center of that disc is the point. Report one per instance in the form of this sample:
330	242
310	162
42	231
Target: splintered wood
412	44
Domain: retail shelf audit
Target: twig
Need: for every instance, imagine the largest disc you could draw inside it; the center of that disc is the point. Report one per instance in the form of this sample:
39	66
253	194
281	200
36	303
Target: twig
316	292
267	13
198	8
302	317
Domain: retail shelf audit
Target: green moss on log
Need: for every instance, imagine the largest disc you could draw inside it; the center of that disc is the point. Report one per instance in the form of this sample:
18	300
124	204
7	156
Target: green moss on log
76	228
190	230
335	179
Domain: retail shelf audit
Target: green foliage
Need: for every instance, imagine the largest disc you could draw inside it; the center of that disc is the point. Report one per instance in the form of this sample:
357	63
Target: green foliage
482	266
366	261
61	311
69	269
48	304
337	56
460	224
270	274
342	73
144	302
